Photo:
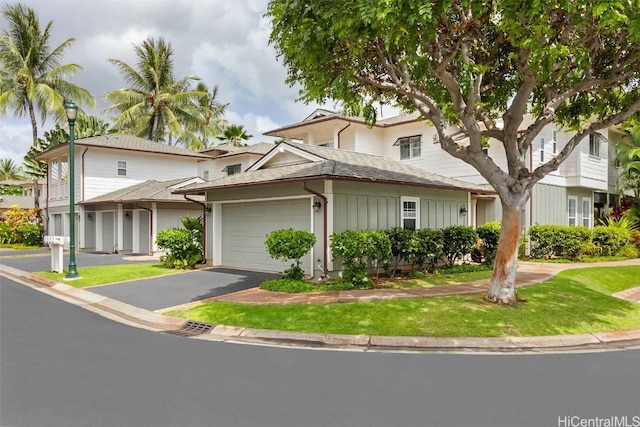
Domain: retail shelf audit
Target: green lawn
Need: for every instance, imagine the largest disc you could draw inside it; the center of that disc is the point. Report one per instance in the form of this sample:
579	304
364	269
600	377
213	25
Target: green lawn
92	276
576	301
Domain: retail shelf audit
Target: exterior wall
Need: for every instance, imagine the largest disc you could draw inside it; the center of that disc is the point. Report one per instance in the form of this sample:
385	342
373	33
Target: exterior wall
170	217
545	196
216	166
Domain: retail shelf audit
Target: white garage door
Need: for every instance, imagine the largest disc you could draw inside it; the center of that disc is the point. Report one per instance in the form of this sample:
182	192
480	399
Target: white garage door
245	226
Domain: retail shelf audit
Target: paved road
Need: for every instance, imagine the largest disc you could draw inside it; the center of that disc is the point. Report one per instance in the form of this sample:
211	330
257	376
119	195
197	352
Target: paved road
154	293
63	366
172	290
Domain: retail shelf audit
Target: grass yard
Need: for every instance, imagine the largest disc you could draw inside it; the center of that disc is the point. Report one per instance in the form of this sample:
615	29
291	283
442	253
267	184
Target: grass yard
575	301
93	276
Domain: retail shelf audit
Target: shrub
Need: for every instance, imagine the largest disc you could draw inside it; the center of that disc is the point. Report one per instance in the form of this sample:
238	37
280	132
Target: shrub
401	245
610	240
429	247
356	249
284	284
289	244
573	241
543	240
184	249
489	234
30	234
550	240
458	241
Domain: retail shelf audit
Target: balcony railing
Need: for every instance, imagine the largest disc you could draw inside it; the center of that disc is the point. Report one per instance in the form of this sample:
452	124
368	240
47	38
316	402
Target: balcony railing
59	191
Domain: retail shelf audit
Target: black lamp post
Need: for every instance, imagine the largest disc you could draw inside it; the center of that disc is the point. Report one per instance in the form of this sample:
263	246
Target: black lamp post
72	112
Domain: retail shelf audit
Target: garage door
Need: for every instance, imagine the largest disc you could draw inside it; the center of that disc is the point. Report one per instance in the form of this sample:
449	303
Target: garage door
245	225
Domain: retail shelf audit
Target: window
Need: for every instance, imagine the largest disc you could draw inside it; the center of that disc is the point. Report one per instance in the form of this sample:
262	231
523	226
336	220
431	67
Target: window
555	142
586	212
410	147
205	175
232	170
122	168
542	149
594	144
409	214
572	208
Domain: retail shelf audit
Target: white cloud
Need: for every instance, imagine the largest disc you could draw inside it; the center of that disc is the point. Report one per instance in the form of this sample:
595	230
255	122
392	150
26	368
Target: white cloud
16	140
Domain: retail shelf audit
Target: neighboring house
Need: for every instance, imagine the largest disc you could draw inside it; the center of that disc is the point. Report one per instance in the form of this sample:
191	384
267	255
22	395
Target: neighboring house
324	191
230	160
103	166
24	200
579	192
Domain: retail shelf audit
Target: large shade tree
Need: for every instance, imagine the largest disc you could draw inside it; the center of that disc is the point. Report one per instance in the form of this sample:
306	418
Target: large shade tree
475	69
155	105
32	78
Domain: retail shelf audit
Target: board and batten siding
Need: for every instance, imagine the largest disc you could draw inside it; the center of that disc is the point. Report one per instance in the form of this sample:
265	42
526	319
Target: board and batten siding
168	218
549	205
356	208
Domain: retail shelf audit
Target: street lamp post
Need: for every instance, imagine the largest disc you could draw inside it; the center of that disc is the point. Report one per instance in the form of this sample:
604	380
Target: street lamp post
72	112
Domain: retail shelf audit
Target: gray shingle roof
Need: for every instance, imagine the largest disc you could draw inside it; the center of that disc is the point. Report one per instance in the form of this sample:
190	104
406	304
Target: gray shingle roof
147	191
24	202
128	142
340	164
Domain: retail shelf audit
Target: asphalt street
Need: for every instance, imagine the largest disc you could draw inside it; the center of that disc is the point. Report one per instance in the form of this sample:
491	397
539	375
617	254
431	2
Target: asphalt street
61	365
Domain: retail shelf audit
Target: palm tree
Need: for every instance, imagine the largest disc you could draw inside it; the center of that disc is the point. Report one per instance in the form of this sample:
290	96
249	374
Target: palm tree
31	77
212	122
628	161
9	170
234	135
155	105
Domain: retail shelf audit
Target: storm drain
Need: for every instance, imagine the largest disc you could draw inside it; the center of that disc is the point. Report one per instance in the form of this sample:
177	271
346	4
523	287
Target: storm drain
191	328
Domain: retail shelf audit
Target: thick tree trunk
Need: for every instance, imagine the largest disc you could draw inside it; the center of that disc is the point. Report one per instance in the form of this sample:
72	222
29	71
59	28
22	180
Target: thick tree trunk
502	286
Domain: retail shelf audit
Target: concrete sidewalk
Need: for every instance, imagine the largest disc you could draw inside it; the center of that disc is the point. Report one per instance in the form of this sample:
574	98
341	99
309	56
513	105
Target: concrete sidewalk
529	273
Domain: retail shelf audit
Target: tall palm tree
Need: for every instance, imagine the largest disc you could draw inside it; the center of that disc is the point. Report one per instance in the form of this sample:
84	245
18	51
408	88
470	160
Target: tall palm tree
234	135
155	105
9	170
628	162
31	76
212	122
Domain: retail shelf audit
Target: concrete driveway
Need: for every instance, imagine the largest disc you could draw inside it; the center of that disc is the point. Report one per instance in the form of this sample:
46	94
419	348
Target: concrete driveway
176	289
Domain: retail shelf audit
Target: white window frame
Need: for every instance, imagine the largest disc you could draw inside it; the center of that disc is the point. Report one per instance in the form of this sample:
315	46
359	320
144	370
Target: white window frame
541	149
121	167
555	141
205	175
233	169
416	216
573	217
589	209
414	144
594	144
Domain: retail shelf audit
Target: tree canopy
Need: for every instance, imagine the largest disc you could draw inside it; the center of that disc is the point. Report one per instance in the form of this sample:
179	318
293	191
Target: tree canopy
32	79
479	71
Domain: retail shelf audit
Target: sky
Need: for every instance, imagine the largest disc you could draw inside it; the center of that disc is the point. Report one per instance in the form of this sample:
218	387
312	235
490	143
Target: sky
224	42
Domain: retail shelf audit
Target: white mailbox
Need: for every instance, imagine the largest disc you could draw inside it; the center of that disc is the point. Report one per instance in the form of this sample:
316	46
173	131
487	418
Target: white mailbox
57	249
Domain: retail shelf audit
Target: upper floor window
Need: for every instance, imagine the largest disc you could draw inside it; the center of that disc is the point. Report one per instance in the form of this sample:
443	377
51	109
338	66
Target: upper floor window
555	142
410	212
205	175
594	144
122	168
410	147
232	169
542	149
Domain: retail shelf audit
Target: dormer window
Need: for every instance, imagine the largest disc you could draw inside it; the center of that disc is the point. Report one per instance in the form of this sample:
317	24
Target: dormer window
410	147
122	168
232	169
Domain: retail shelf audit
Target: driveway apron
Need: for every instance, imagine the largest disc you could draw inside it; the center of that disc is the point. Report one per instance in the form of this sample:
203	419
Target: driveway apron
176	289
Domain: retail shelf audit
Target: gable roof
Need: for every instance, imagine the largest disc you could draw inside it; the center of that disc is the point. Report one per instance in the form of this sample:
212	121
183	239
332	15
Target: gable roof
119	141
147	191
24	202
327	163
260	148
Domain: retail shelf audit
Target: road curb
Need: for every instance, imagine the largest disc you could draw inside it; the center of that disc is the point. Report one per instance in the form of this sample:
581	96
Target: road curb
160	323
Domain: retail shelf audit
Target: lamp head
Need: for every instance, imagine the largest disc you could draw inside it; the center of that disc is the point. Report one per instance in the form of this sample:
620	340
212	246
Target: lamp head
71	109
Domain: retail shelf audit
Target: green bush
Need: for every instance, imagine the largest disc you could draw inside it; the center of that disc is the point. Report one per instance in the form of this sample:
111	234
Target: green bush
183	247
289	244
30	234
402	245
458	241
357	249
610	240
429	247
573	241
558	240
489	234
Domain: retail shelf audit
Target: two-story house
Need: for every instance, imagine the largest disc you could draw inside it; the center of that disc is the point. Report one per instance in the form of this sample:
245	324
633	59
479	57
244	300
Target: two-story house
576	194
123	191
